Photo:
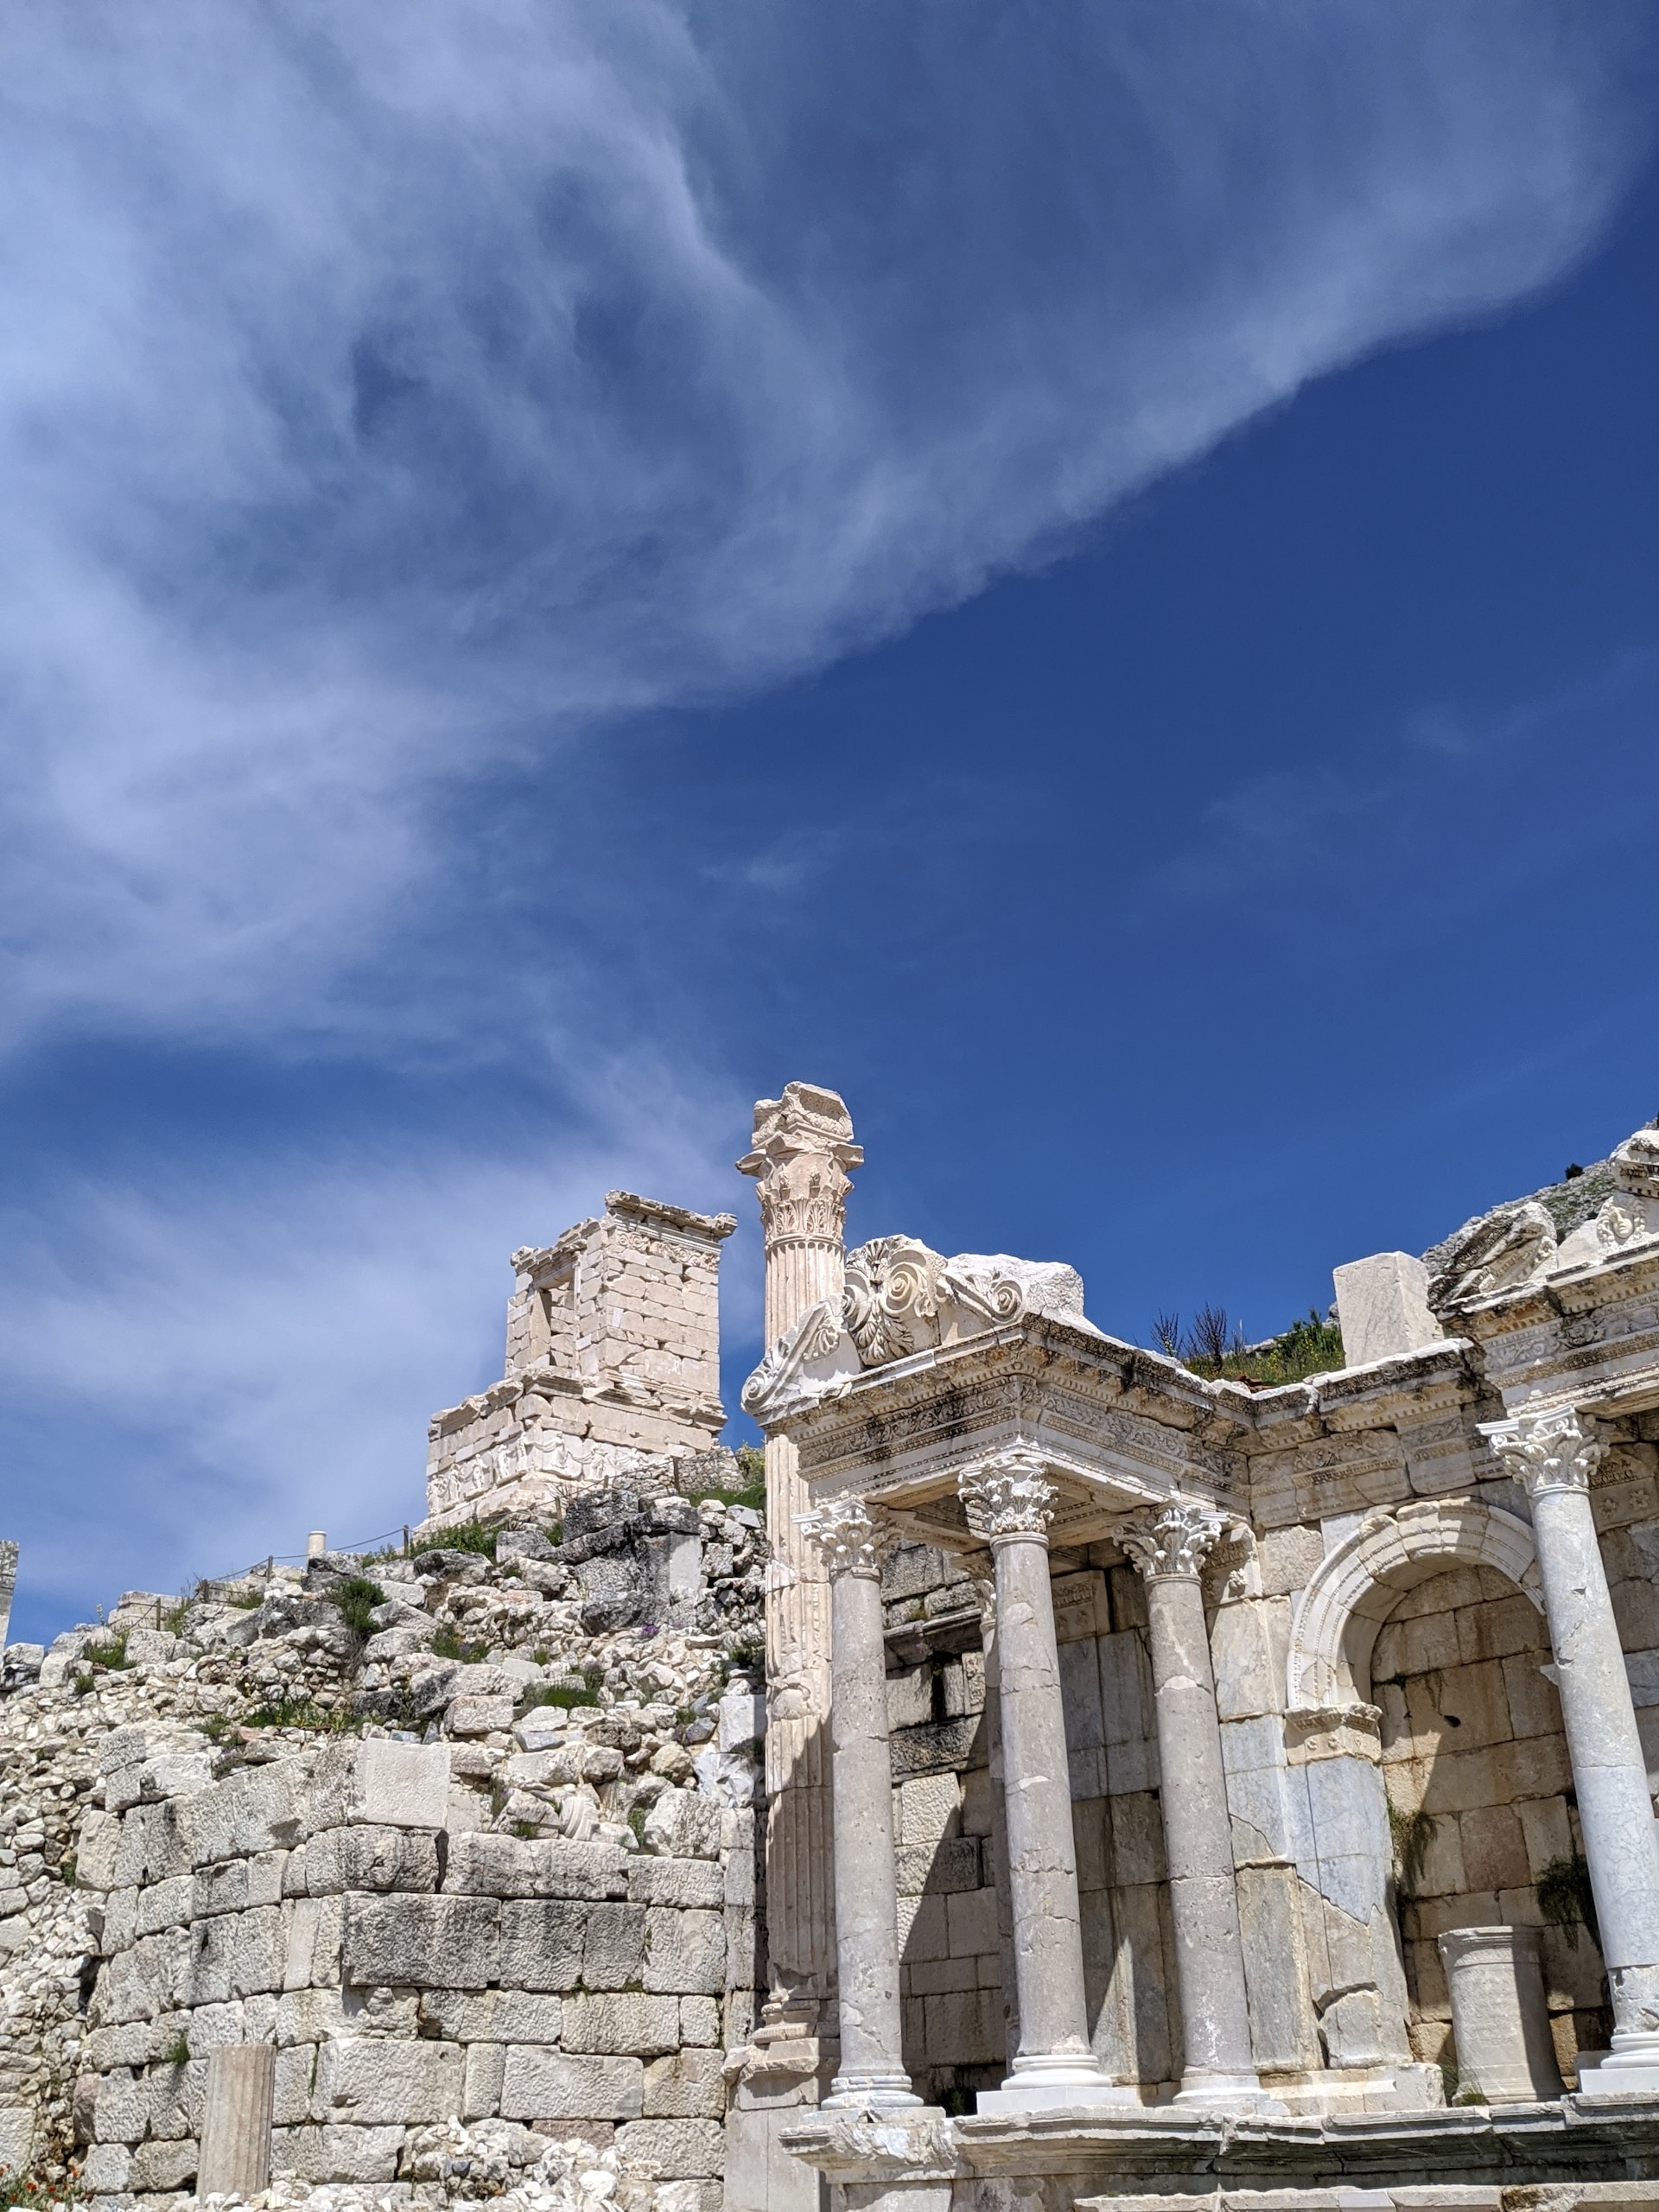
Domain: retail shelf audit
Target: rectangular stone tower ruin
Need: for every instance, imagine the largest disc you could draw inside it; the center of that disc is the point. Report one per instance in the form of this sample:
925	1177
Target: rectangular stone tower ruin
611	1372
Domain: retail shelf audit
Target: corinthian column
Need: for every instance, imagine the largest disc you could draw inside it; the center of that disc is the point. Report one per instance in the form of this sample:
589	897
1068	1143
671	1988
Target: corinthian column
1009	1504
1169	1546
1553	1457
802	1148
853	1540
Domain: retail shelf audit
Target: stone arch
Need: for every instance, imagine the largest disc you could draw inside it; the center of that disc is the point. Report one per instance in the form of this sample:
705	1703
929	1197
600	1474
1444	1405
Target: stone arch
1353	1590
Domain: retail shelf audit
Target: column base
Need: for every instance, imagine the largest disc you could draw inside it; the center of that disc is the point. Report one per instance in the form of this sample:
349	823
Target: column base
1224	2093
871	2092
1632	2073
1056	2083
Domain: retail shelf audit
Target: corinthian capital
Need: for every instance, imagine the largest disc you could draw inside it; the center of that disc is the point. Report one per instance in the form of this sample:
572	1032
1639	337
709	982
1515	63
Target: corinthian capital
1546	1452
1172	1539
1008	1496
801	1150
853	1537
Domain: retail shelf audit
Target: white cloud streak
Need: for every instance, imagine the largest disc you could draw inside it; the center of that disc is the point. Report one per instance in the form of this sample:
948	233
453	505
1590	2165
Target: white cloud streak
383	394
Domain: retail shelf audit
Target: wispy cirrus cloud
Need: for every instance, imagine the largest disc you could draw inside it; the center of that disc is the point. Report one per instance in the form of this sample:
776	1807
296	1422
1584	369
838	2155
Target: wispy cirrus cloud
384	398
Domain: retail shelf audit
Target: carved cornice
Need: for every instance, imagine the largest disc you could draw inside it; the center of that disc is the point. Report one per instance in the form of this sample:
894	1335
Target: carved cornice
1008	1496
1174	1540
801	1150
1546	1452
852	1537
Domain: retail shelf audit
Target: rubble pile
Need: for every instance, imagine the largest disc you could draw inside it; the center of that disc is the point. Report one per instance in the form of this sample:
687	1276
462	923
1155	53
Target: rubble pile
593	1689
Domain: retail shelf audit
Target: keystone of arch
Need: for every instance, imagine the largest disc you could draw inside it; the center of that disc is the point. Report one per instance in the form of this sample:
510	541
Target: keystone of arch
1358	1584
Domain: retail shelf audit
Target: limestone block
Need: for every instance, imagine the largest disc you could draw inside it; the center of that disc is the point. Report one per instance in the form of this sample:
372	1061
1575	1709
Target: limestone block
95	1855
681	1825
686	2149
254	1809
541	1945
965	2025
539	2084
511	1867
1137	1839
371	2083
164	1904
1382	1307
122	2112
480	1716
310	2016
1080	1687
632	2024
522	2015
923	1931
941	1867
687	1881
173	1774
238	1884
107	2169
613	1942
238	1954
971	1921
400	1785
1282	2037
371	1857
158	2166
699	2020
485	2069
424	1942
1080	1606
296	2066
359	2154
685	1952
314	1934
687	2086
1250	1645
929	1809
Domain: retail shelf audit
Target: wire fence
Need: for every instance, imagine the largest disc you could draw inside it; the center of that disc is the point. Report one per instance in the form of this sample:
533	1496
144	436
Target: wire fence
273	1559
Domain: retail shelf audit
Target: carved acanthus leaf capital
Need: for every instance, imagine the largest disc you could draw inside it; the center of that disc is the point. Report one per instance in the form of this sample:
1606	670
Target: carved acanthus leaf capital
1172	1539
1008	1496
853	1537
801	1150
1548	1452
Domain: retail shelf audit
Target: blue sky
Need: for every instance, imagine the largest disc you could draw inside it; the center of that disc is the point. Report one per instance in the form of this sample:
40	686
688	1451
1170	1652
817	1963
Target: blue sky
1085	574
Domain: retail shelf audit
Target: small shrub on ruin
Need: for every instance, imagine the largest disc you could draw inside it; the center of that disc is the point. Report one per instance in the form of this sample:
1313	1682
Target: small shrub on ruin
470	1536
355	1599
446	1644
1565	1899
564	1695
110	1657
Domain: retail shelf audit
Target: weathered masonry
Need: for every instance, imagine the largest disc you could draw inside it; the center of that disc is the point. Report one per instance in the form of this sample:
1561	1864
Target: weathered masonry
1177	1787
613	1368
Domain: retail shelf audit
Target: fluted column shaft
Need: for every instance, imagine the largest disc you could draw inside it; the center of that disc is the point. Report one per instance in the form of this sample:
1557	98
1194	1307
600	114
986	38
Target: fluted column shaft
1554	1456
803	1148
854	1542
1169	1547
1009	1503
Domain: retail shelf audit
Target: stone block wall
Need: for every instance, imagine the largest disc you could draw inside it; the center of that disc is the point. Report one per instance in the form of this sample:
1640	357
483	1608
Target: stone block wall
407	1974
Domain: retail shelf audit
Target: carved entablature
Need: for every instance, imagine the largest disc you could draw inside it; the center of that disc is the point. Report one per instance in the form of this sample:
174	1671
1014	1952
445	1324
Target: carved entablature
898	1298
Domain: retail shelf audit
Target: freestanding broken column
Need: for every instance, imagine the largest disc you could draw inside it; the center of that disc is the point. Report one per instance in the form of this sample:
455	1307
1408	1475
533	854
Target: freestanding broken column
802	1148
854	1542
1554	1456
1009	1502
1169	1546
236	2116
7	1586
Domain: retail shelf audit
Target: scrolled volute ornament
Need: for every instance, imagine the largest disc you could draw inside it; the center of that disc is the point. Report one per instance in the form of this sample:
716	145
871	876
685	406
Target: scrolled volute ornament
1009	1495
852	1537
1172	1539
1546	1452
890	1299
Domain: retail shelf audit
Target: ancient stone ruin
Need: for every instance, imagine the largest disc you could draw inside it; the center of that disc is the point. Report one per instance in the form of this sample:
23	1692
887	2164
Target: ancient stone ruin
1090	1779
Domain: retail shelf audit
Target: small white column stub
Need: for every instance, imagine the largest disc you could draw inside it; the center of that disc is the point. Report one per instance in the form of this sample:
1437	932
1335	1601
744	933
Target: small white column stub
1554	1456
1500	2017
236	2116
1008	1501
